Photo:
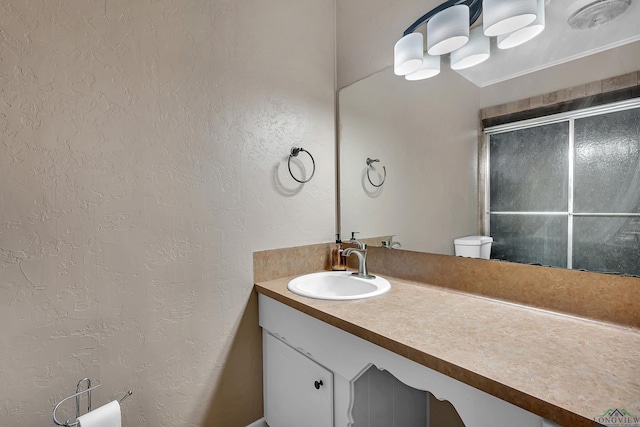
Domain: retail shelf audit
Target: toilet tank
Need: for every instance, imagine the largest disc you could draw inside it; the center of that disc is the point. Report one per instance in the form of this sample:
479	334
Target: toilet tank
473	246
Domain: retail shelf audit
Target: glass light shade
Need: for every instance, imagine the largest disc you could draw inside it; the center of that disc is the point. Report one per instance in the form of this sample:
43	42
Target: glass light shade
448	30
523	35
430	68
505	16
407	54
477	50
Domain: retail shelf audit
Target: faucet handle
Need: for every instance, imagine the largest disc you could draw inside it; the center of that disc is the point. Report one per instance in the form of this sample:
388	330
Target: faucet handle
353	234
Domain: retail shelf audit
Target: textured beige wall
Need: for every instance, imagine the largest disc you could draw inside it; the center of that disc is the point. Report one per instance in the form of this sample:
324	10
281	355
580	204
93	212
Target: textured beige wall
142	159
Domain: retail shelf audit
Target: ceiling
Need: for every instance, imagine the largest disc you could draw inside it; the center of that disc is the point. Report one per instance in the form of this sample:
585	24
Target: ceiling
368	29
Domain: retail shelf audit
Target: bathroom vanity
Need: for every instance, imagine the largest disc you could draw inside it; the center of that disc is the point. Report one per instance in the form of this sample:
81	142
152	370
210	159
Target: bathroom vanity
498	364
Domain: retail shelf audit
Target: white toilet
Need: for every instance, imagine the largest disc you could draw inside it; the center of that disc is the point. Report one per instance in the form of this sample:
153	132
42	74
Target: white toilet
473	246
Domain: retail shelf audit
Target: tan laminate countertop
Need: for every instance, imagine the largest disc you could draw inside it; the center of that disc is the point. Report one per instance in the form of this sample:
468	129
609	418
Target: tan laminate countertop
563	368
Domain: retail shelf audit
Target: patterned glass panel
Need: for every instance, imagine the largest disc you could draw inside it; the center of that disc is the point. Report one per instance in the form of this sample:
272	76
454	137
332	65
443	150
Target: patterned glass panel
607	244
529	169
530	239
607	163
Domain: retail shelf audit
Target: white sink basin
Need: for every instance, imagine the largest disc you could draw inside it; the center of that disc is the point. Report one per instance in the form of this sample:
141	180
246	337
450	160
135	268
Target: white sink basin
338	285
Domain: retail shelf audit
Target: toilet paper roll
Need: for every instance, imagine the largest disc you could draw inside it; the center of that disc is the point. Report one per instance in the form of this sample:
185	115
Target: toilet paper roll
105	416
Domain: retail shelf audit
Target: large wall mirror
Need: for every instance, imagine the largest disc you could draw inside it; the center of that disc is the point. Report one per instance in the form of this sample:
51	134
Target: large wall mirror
409	151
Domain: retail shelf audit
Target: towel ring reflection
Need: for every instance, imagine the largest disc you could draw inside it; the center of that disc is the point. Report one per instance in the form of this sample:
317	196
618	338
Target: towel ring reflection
294	153
369	167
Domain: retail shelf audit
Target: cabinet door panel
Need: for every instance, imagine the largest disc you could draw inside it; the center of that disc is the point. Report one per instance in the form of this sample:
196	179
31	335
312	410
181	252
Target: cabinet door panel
293	394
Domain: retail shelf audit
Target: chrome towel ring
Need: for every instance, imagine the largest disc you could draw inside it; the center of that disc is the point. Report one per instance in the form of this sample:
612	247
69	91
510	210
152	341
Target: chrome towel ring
369	167
294	153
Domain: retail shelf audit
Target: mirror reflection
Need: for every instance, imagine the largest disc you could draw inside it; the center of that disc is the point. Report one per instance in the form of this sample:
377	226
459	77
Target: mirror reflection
432	153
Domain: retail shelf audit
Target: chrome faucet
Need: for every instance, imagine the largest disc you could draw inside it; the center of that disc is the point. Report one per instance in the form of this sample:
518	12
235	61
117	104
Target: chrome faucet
361	253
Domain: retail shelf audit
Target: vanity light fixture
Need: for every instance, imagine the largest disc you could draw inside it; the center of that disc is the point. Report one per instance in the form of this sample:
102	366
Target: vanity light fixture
505	16
407	54
447	27
473	53
448	30
430	67
524	34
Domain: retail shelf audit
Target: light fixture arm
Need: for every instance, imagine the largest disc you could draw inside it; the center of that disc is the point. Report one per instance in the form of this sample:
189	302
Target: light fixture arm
475	10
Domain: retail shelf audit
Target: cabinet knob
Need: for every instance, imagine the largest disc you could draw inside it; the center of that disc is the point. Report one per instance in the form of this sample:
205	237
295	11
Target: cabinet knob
317	384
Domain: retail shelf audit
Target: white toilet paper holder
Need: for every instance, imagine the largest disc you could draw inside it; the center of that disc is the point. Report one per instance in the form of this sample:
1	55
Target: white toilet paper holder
77	395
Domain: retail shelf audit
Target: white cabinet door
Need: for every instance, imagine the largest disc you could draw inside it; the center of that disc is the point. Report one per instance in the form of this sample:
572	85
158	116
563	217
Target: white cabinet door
297	391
